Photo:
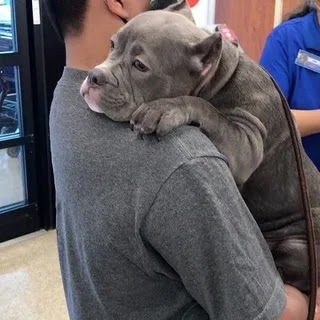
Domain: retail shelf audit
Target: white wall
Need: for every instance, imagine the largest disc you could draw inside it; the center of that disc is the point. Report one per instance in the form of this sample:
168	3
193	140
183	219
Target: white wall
204	12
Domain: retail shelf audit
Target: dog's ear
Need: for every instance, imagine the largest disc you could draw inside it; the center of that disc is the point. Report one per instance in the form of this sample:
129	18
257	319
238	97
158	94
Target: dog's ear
205	58
206	54
182	8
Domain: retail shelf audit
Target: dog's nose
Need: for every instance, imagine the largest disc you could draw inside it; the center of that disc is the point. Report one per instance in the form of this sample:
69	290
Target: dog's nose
96	77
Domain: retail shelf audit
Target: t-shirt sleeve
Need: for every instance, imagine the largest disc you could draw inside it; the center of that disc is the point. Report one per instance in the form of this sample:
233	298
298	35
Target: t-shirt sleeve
202	228
275	60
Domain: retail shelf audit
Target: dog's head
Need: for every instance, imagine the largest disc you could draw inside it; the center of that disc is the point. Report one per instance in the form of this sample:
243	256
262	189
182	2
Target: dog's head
158	54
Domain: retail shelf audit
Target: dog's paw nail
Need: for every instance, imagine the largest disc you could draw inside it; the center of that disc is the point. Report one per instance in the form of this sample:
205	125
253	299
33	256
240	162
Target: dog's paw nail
140	135
132	126
158	138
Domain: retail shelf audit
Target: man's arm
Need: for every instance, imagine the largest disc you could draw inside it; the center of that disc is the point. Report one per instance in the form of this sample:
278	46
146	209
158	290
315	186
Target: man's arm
296	306
201	226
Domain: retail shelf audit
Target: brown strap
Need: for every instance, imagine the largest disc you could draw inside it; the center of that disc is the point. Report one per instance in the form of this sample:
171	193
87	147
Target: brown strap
306	207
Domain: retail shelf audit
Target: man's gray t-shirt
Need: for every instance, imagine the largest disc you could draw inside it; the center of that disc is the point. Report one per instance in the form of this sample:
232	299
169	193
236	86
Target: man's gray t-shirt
152	230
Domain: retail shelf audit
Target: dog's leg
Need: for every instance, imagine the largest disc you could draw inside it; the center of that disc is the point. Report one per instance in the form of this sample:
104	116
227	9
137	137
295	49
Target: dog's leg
236	133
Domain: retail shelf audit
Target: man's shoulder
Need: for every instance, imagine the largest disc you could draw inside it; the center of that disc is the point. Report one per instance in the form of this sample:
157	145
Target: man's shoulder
161	158
188	142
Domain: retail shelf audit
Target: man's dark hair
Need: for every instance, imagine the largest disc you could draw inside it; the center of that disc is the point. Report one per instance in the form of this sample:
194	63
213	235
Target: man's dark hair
67	16
161	4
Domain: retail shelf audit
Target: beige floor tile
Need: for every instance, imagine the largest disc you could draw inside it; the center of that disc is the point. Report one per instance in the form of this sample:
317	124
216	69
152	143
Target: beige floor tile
30	281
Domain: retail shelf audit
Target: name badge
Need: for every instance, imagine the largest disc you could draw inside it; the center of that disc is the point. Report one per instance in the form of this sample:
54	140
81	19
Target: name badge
308	60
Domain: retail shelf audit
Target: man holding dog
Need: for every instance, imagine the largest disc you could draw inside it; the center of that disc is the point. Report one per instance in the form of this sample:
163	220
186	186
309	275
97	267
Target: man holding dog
148	230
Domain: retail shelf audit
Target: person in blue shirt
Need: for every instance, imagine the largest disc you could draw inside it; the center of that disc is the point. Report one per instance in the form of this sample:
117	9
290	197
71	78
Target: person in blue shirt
292	56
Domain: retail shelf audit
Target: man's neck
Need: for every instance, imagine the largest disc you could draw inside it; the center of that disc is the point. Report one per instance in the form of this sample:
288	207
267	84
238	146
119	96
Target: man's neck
91	48
80	54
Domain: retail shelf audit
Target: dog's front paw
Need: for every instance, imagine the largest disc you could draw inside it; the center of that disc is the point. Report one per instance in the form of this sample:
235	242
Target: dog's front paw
160	117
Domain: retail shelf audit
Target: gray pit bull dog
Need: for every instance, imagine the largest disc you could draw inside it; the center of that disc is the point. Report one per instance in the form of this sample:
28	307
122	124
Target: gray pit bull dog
164	72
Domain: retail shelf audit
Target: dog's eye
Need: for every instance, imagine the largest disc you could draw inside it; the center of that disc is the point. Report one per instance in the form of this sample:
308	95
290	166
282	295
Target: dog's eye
111	44
140	66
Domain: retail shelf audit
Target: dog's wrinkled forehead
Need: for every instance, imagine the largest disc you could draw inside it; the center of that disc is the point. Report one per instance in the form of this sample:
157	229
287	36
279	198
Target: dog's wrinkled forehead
157	28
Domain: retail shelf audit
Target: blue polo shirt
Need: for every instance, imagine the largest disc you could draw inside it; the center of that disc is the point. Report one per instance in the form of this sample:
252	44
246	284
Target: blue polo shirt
300	85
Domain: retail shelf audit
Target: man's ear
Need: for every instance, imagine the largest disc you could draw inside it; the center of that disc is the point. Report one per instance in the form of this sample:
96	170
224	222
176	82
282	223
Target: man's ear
205	58
117	8
182	8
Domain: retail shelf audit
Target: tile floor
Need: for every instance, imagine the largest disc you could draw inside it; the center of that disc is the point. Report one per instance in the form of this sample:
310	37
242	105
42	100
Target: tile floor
30	281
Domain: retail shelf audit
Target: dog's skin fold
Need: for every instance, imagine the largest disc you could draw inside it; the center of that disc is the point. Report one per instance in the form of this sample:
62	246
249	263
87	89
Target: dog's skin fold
165	72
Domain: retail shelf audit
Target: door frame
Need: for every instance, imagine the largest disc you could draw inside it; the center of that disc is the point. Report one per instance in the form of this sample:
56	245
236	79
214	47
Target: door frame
17	220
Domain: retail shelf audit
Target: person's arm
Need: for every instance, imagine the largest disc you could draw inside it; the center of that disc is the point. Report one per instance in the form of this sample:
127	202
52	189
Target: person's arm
200	225
308	121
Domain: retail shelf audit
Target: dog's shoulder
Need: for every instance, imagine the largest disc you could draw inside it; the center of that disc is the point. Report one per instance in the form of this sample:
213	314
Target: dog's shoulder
250	82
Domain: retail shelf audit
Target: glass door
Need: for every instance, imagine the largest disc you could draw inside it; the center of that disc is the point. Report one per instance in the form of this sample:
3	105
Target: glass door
18	187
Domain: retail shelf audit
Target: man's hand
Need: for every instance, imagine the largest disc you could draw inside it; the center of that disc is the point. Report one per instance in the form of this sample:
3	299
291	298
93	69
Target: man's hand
297	305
